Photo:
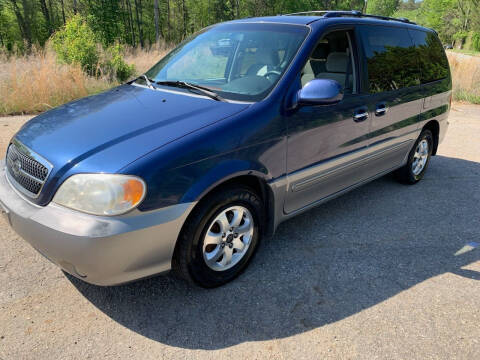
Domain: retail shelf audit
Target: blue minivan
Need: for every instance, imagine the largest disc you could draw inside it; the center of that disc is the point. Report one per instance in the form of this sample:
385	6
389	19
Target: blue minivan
242	126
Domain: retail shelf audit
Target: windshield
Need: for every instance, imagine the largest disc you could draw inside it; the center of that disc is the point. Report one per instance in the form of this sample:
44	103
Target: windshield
238	61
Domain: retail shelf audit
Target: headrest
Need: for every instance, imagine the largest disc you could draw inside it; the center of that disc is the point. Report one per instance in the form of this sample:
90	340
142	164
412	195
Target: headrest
320	52
337	62
267	56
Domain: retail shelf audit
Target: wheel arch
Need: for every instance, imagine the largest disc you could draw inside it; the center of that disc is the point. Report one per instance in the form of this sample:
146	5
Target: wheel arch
434	127
253	179
258	183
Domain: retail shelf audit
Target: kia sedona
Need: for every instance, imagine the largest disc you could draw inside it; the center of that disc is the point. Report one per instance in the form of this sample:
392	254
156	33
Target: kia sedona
242	126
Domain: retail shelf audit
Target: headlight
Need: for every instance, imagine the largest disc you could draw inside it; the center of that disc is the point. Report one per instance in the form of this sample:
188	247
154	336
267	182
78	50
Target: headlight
101	194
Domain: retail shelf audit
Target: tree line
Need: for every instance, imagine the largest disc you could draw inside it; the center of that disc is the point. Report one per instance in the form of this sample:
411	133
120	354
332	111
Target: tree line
137	22
456	21
24	23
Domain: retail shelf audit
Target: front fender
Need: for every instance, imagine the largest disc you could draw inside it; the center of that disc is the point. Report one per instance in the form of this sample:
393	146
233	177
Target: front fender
225	170
229	169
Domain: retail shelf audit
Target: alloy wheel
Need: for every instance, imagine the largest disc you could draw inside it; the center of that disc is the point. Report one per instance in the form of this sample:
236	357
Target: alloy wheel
420	157
228	238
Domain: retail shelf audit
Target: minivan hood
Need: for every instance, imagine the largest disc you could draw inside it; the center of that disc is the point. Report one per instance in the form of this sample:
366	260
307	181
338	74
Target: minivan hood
137	118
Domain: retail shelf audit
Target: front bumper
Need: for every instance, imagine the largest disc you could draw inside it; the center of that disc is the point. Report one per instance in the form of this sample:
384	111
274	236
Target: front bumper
99	250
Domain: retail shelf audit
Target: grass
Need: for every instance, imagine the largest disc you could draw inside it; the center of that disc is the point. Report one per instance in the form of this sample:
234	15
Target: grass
37	82
465	96
466	77
144	59
466	52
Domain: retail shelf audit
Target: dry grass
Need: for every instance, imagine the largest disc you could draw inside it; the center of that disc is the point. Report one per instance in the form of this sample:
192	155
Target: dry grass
466	76
144	59
37	82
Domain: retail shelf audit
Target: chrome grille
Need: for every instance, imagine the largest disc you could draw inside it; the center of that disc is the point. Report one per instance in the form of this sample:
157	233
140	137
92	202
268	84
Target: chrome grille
27	170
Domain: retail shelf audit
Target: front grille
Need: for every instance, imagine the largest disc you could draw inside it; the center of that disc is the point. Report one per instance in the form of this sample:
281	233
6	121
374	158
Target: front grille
28	173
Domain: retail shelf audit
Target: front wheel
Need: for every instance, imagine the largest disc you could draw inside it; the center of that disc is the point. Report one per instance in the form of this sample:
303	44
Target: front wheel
220	237
418	159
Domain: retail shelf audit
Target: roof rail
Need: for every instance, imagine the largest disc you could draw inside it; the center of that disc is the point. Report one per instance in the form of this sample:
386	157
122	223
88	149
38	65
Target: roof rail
307	12
352	13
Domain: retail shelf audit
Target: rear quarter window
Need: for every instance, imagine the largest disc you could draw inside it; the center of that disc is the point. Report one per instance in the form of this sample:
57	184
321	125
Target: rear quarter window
390	55
430	55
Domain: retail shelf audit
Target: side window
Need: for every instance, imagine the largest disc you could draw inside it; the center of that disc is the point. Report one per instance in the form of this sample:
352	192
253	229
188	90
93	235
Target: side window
431	57
391	62
332	59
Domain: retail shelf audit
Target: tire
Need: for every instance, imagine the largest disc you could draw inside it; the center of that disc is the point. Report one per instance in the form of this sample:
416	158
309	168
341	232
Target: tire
409	173
196	254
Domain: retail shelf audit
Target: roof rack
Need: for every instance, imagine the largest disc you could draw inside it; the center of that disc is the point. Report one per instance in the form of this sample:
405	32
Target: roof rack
352	13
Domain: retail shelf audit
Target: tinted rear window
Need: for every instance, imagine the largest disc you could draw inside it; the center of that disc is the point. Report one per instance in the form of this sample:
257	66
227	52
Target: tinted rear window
430	55
390	57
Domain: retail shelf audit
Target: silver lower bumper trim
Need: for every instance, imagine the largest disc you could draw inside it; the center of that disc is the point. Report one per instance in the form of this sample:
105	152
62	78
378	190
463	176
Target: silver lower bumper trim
99	250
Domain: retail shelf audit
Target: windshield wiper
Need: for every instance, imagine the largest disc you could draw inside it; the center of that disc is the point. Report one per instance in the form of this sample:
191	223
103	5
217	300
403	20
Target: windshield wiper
147	80
186	85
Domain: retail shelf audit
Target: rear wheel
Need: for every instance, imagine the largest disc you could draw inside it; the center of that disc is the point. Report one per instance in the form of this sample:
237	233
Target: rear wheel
418	159
220	237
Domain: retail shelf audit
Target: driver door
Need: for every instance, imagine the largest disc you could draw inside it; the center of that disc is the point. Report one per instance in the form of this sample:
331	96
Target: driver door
327	143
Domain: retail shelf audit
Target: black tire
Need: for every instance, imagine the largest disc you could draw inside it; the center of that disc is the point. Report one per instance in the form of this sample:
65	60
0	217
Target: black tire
188	259
405	174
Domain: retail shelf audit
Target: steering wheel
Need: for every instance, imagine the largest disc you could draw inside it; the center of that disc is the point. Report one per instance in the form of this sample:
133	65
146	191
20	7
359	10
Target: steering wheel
271	72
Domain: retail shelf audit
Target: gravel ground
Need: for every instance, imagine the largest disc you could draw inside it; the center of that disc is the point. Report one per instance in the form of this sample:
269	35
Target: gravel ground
387	271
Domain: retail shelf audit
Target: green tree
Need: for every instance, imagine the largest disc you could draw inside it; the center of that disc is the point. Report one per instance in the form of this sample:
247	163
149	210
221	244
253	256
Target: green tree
441	15
382	7
103	18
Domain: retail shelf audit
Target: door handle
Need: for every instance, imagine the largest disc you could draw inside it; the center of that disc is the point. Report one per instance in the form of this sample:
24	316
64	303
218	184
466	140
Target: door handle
381	110
361	115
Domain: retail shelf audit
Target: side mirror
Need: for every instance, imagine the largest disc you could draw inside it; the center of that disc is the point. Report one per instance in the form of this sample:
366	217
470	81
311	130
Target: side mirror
320	92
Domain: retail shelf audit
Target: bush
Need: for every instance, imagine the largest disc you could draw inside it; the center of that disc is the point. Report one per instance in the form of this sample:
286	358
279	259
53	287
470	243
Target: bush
75	44
116	65
476	41
460	35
